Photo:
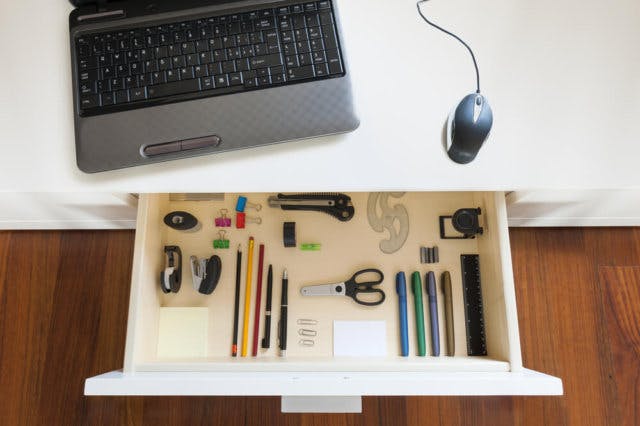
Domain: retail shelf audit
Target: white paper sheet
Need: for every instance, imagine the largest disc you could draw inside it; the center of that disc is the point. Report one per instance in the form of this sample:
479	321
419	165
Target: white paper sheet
360	338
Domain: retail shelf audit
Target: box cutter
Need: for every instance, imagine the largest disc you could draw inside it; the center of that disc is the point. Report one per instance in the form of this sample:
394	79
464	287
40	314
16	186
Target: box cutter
334	204
356	287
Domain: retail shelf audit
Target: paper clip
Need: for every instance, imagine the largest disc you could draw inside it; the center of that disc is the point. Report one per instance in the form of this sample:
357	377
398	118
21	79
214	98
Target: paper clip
307	332
242	204
306	342
304	321
223	221
221	242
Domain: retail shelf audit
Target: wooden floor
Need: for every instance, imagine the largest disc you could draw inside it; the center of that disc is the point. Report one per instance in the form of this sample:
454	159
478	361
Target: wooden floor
63	309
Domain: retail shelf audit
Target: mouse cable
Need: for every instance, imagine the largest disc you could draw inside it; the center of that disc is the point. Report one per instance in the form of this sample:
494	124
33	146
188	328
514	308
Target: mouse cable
475	63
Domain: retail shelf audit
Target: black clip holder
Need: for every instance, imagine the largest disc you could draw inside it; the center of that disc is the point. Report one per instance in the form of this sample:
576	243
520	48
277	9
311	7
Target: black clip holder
465	221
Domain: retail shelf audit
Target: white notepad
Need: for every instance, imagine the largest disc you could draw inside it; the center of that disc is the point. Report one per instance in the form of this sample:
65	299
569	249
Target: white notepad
360	338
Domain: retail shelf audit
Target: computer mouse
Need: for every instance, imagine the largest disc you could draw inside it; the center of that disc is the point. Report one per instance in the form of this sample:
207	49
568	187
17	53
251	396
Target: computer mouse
468	127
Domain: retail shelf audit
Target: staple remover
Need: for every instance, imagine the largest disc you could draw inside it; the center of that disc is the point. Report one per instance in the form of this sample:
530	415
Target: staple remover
205	273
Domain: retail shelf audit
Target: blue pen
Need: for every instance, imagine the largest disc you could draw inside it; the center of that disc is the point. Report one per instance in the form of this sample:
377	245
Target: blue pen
401	289
433	313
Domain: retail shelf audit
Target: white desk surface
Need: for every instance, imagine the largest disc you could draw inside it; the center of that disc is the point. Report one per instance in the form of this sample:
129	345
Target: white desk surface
562	78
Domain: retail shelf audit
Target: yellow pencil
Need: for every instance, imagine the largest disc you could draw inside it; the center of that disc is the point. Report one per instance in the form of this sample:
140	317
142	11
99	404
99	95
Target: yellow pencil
247	300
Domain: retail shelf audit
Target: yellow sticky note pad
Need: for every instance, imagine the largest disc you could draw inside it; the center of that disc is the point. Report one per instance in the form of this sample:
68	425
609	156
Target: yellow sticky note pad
182	332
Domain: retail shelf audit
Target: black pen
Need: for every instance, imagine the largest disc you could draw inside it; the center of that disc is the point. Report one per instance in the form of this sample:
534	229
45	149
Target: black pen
282	326
234	345
266	340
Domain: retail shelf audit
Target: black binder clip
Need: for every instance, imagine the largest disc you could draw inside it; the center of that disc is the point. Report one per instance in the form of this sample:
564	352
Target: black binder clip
205	273
464	221
171	277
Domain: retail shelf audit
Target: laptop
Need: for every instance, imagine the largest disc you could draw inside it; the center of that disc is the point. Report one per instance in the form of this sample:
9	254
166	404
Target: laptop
162	80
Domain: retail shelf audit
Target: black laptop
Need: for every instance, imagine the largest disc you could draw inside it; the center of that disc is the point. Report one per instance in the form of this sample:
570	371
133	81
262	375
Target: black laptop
168	79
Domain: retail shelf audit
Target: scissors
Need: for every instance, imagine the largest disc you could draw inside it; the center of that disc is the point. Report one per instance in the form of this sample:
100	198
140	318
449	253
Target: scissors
353	288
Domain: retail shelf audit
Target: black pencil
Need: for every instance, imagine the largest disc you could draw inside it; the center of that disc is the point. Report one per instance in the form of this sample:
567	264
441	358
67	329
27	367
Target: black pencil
236	308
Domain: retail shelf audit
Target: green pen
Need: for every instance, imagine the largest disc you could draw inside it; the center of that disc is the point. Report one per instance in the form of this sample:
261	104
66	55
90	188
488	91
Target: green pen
416	288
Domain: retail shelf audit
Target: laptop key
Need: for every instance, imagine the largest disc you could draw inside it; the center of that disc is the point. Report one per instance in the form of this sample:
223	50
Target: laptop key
89	101
264	81
108	98
235	79
221	81
325	18
207	83
88	88
301	73
313	20
122	96
265	23
200	71
158	77
322	70
138	94
330	41
318	57
186	73
175	88
314	33
333	58
173	75
89	75
305	59
265	61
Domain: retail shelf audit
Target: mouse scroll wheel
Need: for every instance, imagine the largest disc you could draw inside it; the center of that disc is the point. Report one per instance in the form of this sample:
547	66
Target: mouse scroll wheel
478	100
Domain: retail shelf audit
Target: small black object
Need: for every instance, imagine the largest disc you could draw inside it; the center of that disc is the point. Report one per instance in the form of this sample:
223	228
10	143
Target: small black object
473	309
465	221
181	221
289	234
171	276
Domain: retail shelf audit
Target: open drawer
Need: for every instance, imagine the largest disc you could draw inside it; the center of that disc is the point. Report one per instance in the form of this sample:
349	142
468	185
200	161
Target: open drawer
346	247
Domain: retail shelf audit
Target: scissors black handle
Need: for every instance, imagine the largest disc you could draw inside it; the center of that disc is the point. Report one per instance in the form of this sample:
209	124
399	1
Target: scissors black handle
353	287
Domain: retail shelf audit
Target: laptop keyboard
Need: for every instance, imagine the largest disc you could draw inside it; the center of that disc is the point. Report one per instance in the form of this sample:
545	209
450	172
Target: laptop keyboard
204	57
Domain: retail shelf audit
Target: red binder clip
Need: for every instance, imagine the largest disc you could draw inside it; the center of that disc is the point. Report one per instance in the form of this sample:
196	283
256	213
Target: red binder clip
240	217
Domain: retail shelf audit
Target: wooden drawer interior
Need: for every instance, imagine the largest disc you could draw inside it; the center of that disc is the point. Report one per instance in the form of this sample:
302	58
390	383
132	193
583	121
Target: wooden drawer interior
346	248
